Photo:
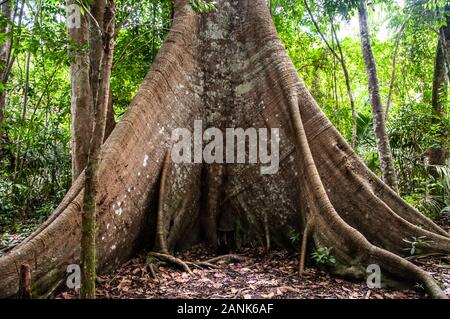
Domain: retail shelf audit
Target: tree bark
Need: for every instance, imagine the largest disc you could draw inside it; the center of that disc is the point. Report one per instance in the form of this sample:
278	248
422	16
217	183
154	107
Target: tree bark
341	59
87	75
240	70
110	116
445	34
25	282
439	103
379	123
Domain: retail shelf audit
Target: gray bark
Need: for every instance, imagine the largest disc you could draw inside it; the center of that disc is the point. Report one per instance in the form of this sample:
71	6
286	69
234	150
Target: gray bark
88	72
379	123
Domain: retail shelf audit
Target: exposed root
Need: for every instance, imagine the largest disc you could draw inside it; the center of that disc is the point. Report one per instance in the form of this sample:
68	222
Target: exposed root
187	265
411	270
303	249
160	240
173	260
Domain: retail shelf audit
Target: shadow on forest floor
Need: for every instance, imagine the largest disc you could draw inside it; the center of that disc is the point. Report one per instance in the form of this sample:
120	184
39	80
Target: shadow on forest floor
259	275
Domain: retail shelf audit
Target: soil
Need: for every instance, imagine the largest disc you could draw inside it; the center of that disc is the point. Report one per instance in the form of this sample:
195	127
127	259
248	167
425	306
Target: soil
260	275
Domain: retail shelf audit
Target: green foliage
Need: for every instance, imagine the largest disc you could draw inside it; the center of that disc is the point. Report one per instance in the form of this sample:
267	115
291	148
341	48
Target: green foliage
413	243
202	6
35	159
35	154
294	236
323	256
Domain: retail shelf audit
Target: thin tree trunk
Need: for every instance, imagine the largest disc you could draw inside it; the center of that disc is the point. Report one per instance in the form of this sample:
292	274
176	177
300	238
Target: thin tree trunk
25	282
335	85
81	95
24	112
439	103
7	56
379	124
341	60
86	68
394	67
101	63
348	86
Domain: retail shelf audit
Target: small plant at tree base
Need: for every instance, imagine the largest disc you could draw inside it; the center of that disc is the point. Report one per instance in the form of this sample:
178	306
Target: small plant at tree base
294	236
322	256
202	6
419	286
413	242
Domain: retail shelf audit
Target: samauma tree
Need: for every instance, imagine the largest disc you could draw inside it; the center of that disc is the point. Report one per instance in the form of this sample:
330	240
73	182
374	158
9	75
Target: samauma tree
229	69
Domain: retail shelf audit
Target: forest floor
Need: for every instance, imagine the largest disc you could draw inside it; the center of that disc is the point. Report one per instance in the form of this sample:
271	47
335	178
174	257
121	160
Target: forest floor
259	275
256	275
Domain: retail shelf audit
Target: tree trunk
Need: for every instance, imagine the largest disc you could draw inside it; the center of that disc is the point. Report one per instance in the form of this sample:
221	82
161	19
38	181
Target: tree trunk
379	123
81	95
231	63
5	55
104	13
439	103
341	59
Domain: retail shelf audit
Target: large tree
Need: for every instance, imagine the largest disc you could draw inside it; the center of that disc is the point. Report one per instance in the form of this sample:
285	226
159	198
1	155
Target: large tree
90	69
229	69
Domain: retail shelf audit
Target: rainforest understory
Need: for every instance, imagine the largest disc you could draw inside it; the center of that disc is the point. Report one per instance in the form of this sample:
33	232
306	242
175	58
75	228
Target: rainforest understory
257	274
